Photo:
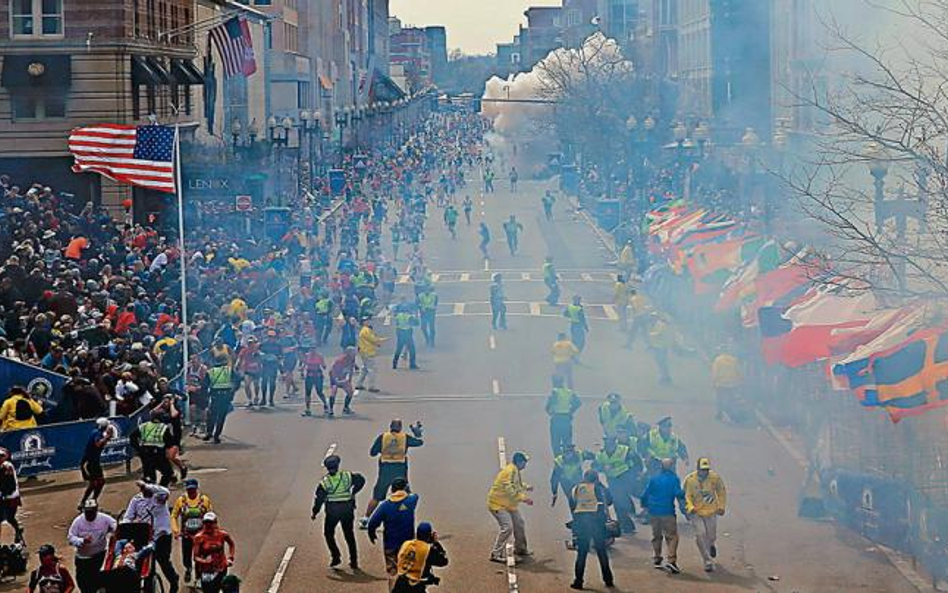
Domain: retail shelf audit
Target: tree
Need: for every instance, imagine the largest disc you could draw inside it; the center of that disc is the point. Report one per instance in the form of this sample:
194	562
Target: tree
887	117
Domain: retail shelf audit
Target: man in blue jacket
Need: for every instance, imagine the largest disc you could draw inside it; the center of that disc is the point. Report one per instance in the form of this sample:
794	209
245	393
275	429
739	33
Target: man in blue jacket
659	500
396	515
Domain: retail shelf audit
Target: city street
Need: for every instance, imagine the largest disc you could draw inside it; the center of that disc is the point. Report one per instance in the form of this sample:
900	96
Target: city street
480	395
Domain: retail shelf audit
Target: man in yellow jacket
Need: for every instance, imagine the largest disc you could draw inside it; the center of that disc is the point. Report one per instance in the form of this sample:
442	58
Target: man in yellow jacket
503	502
727	378
705	501
19	410
369	344
565	354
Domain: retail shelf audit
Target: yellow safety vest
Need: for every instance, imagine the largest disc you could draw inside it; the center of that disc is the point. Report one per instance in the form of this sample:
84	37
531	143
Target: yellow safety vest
549	273
614	465
573	313
584	494
323	306
394	447
412	558
570	473
338	487
659	448
220	377
153	434
611	422
562	399
426	300
403	320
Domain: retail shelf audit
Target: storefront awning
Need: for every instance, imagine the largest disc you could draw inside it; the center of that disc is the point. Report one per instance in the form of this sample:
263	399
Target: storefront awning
185	72
157	65
36	71
384	89
325	82
142	73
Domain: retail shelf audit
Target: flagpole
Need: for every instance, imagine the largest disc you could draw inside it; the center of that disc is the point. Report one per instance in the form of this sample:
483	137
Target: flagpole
182	255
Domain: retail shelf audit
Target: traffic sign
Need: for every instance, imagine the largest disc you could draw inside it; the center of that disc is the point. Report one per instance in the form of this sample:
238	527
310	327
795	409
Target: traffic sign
243	203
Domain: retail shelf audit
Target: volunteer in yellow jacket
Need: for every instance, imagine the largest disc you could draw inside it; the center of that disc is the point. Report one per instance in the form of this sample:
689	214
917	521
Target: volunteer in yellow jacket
369	344
565	355
391	447
727	378
705	501
503	502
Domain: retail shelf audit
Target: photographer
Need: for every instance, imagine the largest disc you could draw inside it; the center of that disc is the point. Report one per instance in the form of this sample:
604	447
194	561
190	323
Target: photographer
416	559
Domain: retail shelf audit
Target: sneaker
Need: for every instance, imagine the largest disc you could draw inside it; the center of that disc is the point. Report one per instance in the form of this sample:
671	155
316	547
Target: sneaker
373	389
657	563
414	367
217	441
672	567
576	585
187	575
354	565
709	567
306	413
713	551
364	523
335	562
347	411
206	438
498	560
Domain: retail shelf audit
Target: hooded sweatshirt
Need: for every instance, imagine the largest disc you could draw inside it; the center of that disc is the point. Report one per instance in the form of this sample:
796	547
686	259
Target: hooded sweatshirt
397	514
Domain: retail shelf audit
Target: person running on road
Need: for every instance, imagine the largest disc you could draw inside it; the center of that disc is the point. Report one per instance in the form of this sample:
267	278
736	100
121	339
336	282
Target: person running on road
727	377
567	471
498	303
503	502
91	464
369	344
705	501
416	558
427	303
512	229
50	575
627	264
396	515
222	387
489	181
451	220
552	281
340	377
467	206
661	339
324	308
565	356
621	466
187	520
578	326
151	440
485	239
661	443
514	177
658	500
561	405
314	367
548	200
588	502
620	299
406	319
89	534
391	447
640	309
337	491
210	560
614	415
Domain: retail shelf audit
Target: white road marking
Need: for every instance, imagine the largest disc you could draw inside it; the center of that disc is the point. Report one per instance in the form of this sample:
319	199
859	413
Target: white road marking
465	277
487	265
281	570
208	470
404	278
611	312
495	386
482	203
502	452
459	308
492	341
512	585
434	277
534	309
524	275
330	450
586	276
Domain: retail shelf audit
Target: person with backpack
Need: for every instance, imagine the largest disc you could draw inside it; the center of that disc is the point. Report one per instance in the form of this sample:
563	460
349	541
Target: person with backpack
19	410
396	515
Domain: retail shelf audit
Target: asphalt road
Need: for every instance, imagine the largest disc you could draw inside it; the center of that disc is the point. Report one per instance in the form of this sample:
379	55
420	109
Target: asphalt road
479	386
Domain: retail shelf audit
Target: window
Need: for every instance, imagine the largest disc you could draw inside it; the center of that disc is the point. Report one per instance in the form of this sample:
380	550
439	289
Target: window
302	94
292	41
262	2
38	104
37	18
573	18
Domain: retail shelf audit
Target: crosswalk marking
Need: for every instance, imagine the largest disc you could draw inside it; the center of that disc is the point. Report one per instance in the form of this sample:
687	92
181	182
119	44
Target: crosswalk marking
611	312
534	309
465	277
459	308
456	276
586	276
525	275
435	277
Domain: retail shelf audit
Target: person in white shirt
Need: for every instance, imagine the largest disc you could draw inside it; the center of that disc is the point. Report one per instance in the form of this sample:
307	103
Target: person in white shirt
150	505
89	534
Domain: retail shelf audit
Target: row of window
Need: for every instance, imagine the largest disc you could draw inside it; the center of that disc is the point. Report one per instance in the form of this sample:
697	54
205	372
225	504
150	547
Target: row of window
34	105
34	18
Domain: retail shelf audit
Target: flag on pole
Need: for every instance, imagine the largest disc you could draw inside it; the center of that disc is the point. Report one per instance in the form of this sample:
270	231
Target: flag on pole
137	155
235	46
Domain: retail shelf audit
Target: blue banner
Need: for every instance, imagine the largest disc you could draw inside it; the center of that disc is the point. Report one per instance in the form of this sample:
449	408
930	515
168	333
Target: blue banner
43	385
59	447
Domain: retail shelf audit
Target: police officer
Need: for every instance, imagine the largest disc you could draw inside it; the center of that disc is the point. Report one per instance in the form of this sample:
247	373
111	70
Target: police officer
391	447
324	307
578	327
428	308
661	443
588	503
567	471
498	304
613	414
552	281
405	322
561	404
337	490
222	386
151	440
621	466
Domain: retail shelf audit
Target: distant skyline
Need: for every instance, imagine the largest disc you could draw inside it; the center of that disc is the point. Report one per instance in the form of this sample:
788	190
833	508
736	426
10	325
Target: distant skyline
473	26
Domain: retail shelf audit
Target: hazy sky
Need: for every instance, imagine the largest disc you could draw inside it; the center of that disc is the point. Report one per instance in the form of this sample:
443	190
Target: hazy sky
475	26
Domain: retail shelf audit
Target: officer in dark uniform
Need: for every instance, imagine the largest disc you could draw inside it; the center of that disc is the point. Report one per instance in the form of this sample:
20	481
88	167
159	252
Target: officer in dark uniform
588	503
337	490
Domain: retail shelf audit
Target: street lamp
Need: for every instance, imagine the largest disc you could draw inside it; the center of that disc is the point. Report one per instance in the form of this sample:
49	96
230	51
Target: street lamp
235	129
702	135
878	162
272	125
680	132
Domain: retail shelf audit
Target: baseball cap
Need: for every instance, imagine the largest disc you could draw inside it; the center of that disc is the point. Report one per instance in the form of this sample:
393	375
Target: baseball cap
704	463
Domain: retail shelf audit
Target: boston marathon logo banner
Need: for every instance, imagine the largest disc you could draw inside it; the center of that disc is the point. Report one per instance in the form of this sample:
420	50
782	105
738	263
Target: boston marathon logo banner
45	386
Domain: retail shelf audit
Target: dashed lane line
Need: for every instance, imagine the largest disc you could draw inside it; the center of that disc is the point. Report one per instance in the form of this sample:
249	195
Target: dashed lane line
487	265
495	386
492	342
512	584
281	570
611	312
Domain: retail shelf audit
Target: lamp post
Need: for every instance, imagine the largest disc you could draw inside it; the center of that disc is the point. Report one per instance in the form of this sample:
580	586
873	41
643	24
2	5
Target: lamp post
702	136
878	163
680	134
750	141
235	130
342	119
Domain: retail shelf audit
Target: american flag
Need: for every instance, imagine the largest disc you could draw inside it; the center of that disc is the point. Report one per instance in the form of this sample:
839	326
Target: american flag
142	155
235	46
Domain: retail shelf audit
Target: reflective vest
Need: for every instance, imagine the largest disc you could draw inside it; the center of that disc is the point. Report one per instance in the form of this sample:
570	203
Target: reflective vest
427	300
549	273
584	495
561	401
659	448
571	472
153	434
412	558
323	306
220	377
338	487
403	320
573	313
394	447
614	465
611	422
